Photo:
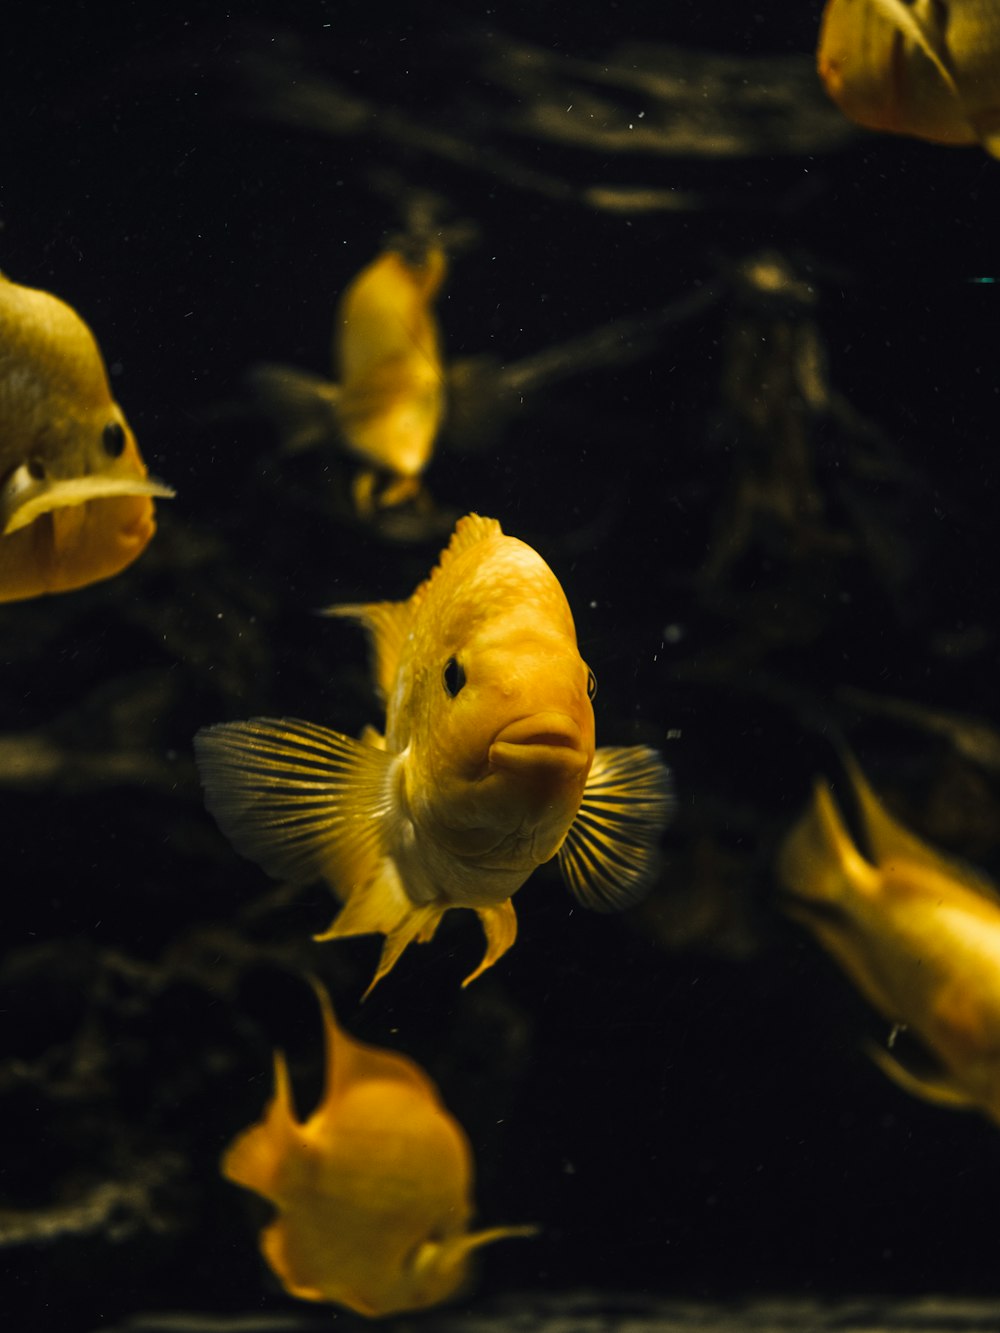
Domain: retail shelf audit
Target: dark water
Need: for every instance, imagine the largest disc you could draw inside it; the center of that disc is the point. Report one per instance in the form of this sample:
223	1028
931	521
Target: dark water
678	1097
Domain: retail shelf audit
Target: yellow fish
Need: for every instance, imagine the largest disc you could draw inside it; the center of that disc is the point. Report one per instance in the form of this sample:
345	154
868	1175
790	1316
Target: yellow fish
486	770
75	502
917	932
930	68
373	1191
388	403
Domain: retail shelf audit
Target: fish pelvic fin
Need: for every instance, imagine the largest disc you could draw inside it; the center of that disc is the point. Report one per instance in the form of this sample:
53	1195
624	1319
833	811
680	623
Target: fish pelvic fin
255	1158
608	858
388	626
304	802
500	926
939	1089
438	1267
818	860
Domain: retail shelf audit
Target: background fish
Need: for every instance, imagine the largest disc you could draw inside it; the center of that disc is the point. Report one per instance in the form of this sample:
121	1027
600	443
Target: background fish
917	932
486	770
373	1191
931	68
76	505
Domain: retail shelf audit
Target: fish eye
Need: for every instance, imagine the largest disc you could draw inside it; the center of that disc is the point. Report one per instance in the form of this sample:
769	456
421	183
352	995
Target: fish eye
113	439
591	684
454	676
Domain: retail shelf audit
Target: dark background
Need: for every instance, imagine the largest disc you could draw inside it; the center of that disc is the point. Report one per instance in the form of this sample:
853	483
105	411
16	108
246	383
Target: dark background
679	1098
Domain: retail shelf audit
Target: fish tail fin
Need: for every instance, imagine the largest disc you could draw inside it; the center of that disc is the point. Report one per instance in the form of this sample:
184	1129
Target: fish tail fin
254	1159
818	859
608	858
302	407
381	906
439	1266
500	926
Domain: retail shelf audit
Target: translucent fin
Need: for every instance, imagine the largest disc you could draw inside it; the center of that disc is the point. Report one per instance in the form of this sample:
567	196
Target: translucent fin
942	1090
302	407
607	859
255	1158
302	801
388	626
500	926
818	860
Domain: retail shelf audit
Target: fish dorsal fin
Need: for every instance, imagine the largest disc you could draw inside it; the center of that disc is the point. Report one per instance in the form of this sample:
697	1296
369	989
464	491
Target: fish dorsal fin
608	857
349	1061
891	841
388	626
255	1158
500	926
304	802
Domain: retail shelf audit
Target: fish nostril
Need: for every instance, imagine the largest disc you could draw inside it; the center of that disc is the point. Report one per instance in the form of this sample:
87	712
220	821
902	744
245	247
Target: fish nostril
36	469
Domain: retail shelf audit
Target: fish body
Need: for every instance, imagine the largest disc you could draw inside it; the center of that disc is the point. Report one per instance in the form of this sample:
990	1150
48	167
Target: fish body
76	505
917	932
373	1191
487	767
929	69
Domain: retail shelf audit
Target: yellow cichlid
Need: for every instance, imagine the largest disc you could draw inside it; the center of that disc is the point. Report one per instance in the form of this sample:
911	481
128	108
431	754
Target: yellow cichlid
373	1192
917	932
486	770
76	505
930	68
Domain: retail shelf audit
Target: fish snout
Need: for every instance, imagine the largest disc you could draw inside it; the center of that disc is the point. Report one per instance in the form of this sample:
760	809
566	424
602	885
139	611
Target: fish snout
547	740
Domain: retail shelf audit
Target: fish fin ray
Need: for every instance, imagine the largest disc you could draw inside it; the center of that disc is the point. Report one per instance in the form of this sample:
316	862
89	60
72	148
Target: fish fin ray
304	802
500	926
608	857
388	626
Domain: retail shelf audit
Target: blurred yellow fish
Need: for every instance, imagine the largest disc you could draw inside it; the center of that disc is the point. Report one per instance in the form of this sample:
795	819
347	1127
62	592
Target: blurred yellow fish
486	770
388	404
930	68
917	932
373	1191
75	502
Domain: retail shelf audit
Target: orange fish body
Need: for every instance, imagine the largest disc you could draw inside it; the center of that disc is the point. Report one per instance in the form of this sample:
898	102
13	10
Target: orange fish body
929	69
486	770
918	934
373	1192
76	505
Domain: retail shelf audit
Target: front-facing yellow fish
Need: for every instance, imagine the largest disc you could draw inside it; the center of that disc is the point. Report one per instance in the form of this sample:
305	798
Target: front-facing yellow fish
929	68
486	770
918	933
76	505
373	1192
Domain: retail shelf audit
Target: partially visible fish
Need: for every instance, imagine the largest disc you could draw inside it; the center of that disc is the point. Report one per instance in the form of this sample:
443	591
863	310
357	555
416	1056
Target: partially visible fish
76	505
487	768
388	403
930	68
373	1192
916	931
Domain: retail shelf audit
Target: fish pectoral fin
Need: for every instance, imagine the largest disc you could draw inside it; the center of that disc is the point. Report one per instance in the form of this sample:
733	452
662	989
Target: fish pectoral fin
388	626
608	857
302	407
938	1088
304	802
500	926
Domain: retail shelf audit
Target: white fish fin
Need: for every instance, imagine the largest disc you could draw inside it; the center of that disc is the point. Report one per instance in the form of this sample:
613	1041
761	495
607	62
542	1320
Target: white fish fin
255	1158
500	926
892	842
818	860
608	857
302	407
941	1090
388	626
304	802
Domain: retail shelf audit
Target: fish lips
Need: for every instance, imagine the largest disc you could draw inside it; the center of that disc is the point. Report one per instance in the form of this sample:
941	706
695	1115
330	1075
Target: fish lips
542	742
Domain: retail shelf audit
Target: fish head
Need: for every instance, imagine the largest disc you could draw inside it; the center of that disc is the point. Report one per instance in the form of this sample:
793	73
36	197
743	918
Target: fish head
505	734
76	504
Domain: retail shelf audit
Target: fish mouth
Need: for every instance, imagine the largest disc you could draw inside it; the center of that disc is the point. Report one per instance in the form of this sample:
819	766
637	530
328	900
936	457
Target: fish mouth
547	740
